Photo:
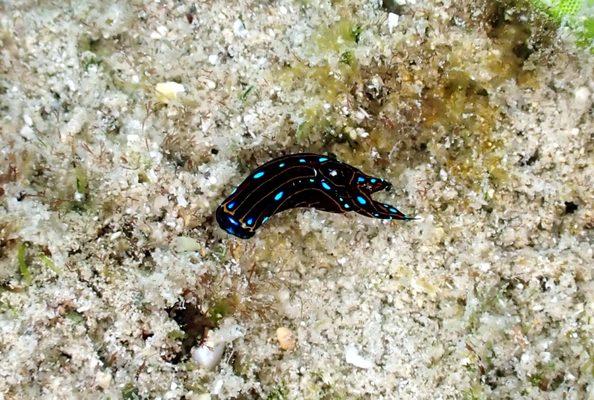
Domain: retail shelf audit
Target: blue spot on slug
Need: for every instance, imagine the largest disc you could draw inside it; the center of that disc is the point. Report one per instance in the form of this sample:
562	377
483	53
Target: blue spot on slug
233	221
302	160
360	179
250	221
361	200
325	186
322	159
258	175
282	164
373	180
278	196
231	205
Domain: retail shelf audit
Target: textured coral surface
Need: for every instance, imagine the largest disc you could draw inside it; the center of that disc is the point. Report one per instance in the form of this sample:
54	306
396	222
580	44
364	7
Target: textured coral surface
123	124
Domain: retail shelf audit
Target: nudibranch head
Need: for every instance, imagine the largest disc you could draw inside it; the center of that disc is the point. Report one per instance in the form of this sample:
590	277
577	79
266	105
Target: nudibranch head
369	184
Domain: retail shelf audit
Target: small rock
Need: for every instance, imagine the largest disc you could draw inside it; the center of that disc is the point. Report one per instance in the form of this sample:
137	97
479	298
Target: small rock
162	31
115	235
184	244
286	338
353	357
213	59
103	380
582	96
392	21
239	28
168	91
208	356
159	203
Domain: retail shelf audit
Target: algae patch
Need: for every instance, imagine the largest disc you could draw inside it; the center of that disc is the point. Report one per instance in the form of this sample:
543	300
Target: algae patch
425	104
23	265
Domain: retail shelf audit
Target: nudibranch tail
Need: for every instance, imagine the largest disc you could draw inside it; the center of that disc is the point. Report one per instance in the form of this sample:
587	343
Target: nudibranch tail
382	211
232	225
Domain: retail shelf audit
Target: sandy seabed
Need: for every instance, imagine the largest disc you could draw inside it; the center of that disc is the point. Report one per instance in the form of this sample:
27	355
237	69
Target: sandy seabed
124	124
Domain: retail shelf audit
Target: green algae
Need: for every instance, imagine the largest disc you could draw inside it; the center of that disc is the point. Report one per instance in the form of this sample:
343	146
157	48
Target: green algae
320	388
22	263
573	13
223	307
75	317
130	392
279	392
546	377
49	263
330	83
473	393
338	36
176	334
244	95
81	197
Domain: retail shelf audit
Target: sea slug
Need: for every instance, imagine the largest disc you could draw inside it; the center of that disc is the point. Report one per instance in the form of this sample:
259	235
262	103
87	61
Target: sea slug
302	180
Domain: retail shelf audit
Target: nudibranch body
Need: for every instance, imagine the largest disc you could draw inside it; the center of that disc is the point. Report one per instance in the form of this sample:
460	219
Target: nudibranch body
302	180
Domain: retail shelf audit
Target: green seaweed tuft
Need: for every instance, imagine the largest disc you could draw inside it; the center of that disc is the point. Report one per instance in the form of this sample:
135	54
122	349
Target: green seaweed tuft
223	308
347	57
244	95
576	14
22	262
356	33
559	9
48	262
130	392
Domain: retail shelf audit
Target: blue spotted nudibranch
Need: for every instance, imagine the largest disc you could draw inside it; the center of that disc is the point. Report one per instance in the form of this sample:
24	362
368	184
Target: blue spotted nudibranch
302	180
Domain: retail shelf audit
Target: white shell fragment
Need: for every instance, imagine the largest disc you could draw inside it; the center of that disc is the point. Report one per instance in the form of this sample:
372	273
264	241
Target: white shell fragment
208	356
582	96
184	244
286	338
103	379
168	91
392	21
353	357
